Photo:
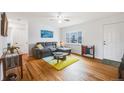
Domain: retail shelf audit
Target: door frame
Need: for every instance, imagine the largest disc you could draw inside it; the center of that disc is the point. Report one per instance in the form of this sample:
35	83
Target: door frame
104	35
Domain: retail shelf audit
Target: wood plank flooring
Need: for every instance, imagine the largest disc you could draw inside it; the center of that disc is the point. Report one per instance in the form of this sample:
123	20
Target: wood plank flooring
85	69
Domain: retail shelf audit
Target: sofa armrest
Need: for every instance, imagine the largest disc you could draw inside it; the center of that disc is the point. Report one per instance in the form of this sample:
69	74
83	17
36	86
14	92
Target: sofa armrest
37	53
46	52
40	53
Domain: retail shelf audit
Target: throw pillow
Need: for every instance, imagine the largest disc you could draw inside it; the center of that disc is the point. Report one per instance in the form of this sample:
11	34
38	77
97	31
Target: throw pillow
39	46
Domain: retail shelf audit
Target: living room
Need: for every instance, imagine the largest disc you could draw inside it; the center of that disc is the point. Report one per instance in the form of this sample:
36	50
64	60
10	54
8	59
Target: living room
77	40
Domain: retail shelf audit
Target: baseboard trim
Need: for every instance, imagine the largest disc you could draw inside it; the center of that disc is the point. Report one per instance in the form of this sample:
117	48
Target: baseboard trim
99	60
76	54
111	62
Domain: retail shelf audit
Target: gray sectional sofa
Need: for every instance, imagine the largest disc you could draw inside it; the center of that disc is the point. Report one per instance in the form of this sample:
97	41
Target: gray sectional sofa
48	49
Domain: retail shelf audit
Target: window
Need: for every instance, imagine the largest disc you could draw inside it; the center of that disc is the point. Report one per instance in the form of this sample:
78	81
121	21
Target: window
74	37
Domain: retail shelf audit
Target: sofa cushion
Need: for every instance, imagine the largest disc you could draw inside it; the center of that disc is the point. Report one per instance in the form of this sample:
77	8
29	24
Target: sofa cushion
54	44
48	44
42	43
39	46
53	49
64	49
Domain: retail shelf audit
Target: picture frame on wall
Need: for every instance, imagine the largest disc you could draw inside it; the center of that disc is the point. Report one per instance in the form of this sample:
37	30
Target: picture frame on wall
46	34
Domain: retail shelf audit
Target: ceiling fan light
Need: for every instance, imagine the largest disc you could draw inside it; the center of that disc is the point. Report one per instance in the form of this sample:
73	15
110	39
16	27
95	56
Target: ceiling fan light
59	21
60	17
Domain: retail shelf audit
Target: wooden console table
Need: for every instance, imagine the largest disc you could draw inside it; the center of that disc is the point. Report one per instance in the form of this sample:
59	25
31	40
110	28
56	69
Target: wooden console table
11	61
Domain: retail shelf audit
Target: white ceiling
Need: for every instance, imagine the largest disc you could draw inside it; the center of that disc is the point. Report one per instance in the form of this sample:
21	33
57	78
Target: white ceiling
75	17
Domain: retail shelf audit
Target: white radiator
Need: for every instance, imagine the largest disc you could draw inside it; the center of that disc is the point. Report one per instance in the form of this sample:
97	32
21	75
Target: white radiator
76	48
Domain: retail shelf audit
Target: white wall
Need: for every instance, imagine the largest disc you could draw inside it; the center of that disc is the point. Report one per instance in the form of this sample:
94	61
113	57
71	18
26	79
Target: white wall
92	32
34	31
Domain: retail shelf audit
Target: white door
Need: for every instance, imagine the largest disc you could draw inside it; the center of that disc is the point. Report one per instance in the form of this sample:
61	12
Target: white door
114	41
20	36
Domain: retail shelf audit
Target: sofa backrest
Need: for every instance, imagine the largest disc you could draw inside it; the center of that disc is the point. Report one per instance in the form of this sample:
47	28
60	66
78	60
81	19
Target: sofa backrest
42	43
48	44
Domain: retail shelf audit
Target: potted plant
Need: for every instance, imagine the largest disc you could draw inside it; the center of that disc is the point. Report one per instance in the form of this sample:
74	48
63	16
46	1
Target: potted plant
12	48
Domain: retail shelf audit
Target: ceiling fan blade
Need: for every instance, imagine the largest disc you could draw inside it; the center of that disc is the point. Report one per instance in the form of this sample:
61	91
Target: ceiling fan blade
67	20
60	17
52	19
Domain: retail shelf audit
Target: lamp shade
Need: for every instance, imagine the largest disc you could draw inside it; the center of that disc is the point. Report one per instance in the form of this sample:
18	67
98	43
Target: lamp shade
61	43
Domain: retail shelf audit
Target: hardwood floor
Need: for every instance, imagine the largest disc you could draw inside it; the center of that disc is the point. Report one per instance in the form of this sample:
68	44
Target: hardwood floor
85	69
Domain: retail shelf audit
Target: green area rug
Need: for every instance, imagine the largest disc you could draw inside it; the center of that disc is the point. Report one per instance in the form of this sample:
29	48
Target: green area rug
62	64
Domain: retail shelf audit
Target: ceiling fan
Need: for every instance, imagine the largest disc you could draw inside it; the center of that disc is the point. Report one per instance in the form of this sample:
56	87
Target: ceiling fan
60	18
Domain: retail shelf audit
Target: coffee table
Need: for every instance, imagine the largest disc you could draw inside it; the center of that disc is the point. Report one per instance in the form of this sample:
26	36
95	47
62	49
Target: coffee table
59	56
